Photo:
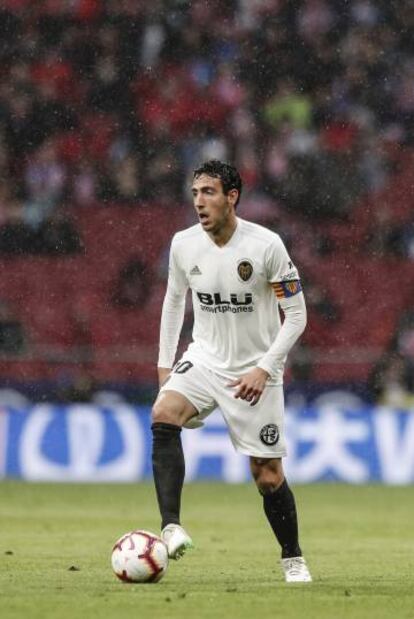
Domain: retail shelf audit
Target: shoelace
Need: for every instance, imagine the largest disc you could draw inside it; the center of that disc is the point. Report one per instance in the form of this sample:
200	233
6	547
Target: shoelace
295	566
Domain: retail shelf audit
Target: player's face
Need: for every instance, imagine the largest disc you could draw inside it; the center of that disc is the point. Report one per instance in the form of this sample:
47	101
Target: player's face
213	207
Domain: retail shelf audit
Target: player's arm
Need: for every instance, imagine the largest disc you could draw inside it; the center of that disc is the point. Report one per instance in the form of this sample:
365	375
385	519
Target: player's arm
284	279
163	374
292	302
251	386
172	317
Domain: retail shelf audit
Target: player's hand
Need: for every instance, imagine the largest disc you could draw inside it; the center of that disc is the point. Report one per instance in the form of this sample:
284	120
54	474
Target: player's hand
163	375
250	386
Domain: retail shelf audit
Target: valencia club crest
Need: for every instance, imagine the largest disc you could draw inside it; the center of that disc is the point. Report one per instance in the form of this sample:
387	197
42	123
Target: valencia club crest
245	270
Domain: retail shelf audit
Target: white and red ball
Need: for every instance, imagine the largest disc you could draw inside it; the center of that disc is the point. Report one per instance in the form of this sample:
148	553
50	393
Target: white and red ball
140	556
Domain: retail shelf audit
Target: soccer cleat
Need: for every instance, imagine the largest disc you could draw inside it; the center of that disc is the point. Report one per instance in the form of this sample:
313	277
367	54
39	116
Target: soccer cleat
296	570
177	540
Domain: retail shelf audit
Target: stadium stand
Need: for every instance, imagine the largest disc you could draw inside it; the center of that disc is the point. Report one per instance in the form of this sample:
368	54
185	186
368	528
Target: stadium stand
100	129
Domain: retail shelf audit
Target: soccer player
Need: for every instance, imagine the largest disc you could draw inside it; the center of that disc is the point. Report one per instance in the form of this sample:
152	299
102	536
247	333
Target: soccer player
240	274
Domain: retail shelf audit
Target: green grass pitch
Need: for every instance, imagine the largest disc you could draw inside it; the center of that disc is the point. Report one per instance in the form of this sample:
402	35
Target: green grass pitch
359	542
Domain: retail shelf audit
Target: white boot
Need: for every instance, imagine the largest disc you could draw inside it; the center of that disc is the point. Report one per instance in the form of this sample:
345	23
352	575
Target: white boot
177	540
296	570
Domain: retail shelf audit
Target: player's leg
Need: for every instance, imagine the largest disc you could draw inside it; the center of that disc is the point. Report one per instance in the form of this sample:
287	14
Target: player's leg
280	509
278	503
171	410
184	397
259	433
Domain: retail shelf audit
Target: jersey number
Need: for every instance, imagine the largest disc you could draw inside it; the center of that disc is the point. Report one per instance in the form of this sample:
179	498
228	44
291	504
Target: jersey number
183	367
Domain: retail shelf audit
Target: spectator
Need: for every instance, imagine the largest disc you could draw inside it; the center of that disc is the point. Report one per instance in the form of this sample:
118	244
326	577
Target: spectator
319	302
121	184
45	178
404	338
392	382
132	289
288	105
12	337
15	236
78	386
57	236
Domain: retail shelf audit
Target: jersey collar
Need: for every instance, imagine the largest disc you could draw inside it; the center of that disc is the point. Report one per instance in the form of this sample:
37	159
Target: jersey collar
231	240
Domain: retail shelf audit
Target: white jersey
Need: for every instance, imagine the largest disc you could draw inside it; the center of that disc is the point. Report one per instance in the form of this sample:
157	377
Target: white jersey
236	313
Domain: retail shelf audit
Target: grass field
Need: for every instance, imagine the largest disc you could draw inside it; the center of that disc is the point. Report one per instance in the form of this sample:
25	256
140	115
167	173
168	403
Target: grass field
359	542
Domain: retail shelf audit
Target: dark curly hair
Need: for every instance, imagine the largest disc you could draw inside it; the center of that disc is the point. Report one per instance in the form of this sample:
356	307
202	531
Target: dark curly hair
228	174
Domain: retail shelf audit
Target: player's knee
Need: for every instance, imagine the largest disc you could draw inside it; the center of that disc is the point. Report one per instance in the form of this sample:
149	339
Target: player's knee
163	413
268	486
268	475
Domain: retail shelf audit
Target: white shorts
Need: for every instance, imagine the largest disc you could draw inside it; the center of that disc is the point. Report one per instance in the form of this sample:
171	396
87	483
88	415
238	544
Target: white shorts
254	430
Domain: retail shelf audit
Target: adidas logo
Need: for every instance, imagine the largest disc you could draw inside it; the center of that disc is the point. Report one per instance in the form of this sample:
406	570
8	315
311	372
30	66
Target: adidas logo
195	271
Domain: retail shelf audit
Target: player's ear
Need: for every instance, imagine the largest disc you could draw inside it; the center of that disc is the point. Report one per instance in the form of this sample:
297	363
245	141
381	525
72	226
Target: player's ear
233	196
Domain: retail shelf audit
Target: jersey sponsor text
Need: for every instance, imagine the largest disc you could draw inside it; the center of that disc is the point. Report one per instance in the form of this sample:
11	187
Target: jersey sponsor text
213	303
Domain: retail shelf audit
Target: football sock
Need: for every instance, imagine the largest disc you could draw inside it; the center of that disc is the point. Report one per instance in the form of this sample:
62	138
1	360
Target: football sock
169	469
280	509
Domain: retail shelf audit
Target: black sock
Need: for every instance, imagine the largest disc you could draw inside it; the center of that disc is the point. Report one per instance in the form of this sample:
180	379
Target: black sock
168	469
280	509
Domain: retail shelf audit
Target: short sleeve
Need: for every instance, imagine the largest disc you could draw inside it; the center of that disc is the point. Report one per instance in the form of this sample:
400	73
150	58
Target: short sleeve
279	265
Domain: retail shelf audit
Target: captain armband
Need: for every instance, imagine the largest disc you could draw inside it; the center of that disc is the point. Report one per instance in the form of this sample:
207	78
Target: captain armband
284	290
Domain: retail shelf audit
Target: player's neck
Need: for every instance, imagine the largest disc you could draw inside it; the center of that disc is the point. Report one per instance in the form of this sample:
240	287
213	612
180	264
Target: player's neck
222	237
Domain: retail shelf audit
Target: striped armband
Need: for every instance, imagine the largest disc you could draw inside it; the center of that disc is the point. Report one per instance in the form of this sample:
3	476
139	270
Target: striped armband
284	290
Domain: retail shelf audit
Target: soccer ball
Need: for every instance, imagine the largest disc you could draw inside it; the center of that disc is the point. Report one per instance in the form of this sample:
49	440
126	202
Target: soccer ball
139	556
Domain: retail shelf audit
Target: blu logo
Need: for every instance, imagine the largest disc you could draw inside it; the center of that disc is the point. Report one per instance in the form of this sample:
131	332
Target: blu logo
215	299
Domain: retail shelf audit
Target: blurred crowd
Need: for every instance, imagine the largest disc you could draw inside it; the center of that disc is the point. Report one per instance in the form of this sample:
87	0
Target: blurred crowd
116	100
